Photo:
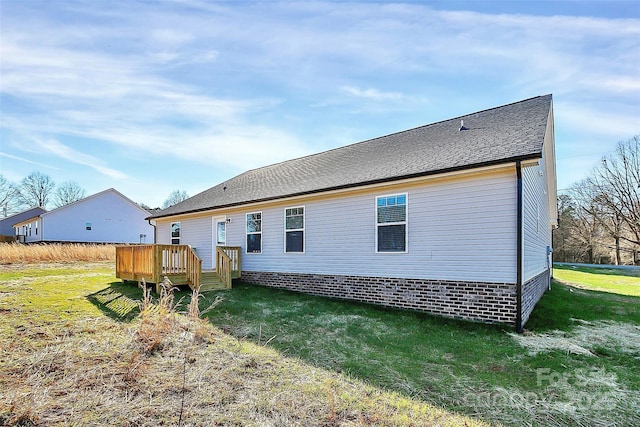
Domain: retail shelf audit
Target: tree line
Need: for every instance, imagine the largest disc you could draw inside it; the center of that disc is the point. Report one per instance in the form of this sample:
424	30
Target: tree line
36	189
599	216
39	190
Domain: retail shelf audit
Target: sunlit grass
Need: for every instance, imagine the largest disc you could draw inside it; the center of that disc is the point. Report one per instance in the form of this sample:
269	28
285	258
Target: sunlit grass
618	281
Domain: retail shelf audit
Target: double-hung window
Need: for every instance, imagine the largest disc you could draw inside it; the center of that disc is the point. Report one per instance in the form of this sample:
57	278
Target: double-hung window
175	233
294	229
254	233
391	223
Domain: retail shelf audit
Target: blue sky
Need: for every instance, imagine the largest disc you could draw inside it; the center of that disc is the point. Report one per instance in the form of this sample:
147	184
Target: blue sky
148	97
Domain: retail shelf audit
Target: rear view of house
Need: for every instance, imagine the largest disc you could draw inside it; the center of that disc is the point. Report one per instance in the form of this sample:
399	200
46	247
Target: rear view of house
105	217
452	218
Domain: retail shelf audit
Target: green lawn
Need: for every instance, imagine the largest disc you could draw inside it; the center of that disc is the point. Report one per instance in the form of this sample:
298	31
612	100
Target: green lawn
617	281
68	354
554	374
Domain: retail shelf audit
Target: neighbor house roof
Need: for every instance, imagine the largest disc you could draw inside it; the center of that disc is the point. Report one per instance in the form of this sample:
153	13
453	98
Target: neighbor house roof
93	196
6	224
489	137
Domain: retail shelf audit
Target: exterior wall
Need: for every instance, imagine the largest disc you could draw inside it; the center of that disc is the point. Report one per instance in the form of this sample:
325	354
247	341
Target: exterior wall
486	302
6	224
539	218
30	230
459	229
113	219
195	232
536	221
532	291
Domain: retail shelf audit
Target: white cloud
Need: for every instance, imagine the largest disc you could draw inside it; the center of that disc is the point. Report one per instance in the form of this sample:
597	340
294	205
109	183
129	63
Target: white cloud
372	94
31	162
171	37
597	121
69	154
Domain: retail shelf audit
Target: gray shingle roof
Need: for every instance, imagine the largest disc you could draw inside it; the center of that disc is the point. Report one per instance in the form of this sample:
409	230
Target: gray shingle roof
498	135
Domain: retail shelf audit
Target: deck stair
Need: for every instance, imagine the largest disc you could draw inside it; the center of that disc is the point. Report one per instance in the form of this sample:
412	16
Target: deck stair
211	281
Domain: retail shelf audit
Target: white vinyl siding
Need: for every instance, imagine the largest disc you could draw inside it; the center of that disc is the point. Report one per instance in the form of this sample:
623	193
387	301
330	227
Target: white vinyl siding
459	230
29	231
113	219
195	232
536	220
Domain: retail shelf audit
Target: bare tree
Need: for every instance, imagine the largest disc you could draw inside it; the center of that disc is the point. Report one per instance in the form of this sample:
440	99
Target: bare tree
67	193
564	249
587	231
10	201
617	180
176	196
36	189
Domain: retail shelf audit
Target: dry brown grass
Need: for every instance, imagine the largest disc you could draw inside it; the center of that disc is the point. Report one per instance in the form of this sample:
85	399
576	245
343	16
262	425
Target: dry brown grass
89	369
17	253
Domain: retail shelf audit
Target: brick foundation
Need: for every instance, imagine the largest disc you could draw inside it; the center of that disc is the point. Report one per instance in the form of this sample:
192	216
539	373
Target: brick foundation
477	301
532	291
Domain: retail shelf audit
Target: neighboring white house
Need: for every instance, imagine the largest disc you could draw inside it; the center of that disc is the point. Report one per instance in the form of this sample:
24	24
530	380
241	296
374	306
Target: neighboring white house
105	217
452	218
6	224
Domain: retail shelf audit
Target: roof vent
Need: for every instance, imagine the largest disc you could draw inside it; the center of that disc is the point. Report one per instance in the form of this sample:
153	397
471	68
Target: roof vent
462	126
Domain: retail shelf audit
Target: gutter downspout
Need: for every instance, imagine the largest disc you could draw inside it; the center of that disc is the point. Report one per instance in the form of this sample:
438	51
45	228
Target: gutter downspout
155	231
519	328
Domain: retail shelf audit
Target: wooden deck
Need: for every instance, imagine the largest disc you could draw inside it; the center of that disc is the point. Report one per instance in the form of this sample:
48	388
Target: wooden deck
179	263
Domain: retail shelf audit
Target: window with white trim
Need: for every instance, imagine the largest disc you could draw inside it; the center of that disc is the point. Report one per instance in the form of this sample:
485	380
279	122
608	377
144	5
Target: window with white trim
175	233
294	229
391	223
254	233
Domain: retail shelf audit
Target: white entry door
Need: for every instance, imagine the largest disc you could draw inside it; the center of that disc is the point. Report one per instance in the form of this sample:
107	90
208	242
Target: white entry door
219	235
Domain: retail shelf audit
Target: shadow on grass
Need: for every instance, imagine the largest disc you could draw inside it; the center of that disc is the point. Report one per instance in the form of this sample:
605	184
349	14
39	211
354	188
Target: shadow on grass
119	301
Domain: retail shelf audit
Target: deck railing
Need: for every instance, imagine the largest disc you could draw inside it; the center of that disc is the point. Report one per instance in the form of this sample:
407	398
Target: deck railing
178	262
223	266
233	252
153	262
135	262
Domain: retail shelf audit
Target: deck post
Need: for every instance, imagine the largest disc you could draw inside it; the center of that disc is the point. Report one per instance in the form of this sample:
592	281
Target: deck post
133	266
157	265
